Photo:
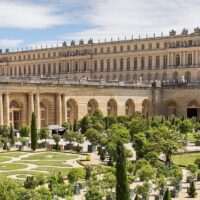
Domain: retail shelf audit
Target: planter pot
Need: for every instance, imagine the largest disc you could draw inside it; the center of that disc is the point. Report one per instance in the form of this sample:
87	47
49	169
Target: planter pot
197	143
68	146
174	193
92	148
77	190
178	187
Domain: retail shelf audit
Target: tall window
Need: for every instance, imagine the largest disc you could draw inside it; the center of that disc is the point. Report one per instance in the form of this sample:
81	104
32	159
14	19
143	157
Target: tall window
157	62
128	63
115	65
121	64
85	66
165	62
102	67
108	65
142	63
178	60
76	66
95	65
190	59
135	63
150	62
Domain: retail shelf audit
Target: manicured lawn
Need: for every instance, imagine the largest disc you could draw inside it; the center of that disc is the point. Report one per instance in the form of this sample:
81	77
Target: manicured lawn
13	154
11	166
51	156
20	173
64	171
185	159
4	158
47	163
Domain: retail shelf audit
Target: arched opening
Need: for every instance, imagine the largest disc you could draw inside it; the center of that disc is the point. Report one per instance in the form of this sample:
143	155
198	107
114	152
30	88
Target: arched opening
15	114
188	77
146	108
72	111
112	107
171	108
92	106
43	115
175	77
129	107
193	109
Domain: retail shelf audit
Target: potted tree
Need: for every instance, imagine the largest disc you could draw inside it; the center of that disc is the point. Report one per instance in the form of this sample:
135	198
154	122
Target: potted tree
192	168
197	138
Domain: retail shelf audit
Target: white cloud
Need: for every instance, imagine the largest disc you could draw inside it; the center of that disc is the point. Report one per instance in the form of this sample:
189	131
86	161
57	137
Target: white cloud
6	43
113	18
28	15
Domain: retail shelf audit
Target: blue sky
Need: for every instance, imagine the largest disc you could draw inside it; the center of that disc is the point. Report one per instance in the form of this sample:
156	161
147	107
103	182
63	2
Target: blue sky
31	23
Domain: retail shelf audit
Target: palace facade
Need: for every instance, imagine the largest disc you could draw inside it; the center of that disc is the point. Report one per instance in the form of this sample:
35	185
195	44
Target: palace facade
159	75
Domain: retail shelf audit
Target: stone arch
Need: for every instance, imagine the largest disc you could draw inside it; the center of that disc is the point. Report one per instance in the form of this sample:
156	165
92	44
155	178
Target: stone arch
164	76
44	115
72	110
188	77
193	109
175	76
149	77
15	114
156	77
112	107
171	108
92	106
146	108
129	107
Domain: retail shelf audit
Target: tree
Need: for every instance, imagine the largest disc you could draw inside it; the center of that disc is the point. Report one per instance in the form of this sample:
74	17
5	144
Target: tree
192	168
122	186
192	190
93	136
167	195
12	136
85	124
44	134
33	132
44	193
143	190
24	131
146	172
57	140
94	193
88	172
72	176
30	182
186	126
63	190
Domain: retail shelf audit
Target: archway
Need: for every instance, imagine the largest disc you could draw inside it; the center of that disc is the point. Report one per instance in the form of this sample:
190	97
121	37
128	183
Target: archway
72	111
175	76
193	109
171	108
146	108
129	107
15	114
112	107
188	77
92	106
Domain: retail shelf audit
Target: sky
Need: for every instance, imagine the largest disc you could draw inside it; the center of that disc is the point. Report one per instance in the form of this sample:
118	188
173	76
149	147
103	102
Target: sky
35	23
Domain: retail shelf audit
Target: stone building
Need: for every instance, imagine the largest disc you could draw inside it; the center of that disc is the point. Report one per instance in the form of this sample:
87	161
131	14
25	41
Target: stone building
158	75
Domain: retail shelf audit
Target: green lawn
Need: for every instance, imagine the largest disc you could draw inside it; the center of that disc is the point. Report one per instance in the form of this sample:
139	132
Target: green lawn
185	159
13	154
4	158
11	166
64	171
51	156
46	163
20	173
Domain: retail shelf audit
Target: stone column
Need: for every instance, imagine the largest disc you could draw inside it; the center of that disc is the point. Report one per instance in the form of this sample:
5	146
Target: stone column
197	57
172	59
181	62
7	109
193	54
58	110
1	109
37	110
64	109
30	107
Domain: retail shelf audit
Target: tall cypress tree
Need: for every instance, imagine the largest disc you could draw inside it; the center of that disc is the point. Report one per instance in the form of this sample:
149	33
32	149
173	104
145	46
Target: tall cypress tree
122	186
33	132
12	136
167	195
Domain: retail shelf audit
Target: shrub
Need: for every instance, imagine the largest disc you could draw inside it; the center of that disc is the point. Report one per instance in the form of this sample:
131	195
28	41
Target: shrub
88	157
197	162
192	190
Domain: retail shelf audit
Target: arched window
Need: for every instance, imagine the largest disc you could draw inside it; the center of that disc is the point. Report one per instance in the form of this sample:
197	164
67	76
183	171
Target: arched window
128	77
76	66
157	62
175	76
92	106
171	108
135	77
95	65
165	62
129	107
157	76
112	107
135	64
49	69
190	59
72	111
146	108
149	77
128	64
108	65
102	65
142	63
121	64
114	77
121	77
188	77
178	60
164	76
114	65
15	114
150	62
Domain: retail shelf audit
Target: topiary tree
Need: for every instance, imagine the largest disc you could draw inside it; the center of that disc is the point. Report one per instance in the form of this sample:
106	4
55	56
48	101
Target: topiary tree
93	136
94	193
192	190
85	124
167	195
30	182
24	131
12	136
57	140
197	162
72	176
33	132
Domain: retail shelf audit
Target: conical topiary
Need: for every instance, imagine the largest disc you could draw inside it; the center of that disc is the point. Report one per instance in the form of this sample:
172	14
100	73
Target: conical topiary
167	195
192	190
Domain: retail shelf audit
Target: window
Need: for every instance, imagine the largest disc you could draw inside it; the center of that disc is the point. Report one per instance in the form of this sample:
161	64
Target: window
101	50
157	45
43	55
135	47
95	65
165	62
142	63
108	65
178	60
128	48
121	64
157	62
128	63
150	62
177	44
76	66
190	59
190	43
34	56
54	54
150	46
85	66
49	55
102	67
108	49
115	49
19	57
142	46
114	64
95	50
121	48
165	45
38	56
24	57
135	64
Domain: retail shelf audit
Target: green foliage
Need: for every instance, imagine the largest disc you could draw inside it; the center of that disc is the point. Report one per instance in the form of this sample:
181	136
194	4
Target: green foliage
85	124
142	190
72	137
122	186
66	125
93	136
33	132
30	182
63	190
44	133
176	175
109	121
192	190
57	140
4	131
12	136
73	176
192	168
197	162
167	195
44	193
94	193
24	131
186	126
88	172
